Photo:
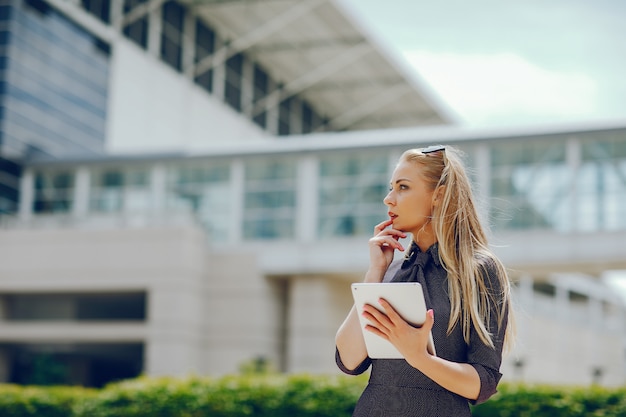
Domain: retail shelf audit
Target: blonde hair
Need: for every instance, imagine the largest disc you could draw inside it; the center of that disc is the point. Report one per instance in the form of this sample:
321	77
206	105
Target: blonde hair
463	247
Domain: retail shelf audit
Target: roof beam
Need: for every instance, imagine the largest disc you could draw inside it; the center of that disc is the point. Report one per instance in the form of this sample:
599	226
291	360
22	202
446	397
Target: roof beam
355	84
312	77
245	41
308	45
378	101
220	2
140	11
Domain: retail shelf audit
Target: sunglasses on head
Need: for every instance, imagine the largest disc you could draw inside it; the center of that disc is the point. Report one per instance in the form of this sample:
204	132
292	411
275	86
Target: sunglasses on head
433	148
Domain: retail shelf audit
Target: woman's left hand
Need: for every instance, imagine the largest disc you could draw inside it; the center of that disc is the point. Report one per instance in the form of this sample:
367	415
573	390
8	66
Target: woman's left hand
408	339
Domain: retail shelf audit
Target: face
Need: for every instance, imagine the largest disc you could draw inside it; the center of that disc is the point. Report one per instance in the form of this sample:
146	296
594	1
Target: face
409	200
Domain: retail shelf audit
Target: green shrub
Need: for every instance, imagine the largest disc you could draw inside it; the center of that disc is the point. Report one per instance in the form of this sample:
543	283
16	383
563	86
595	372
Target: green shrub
271	395
31	401
553	401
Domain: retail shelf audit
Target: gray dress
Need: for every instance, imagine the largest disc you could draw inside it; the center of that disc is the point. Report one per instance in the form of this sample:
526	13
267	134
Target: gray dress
395	388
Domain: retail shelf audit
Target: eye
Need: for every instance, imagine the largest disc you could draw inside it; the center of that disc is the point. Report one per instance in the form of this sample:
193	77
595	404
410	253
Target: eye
403	187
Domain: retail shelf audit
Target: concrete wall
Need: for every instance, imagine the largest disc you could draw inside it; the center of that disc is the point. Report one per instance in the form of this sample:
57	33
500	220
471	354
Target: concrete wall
152	108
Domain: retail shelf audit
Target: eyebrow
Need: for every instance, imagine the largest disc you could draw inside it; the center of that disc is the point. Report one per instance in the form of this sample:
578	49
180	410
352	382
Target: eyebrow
399	180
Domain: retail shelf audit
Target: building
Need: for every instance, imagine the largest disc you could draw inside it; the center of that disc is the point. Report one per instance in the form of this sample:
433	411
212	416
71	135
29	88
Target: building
202	204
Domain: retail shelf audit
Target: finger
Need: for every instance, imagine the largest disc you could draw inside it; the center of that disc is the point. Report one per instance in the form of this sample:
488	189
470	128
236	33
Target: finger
382	226
390	311
376	331
373	314
387	241
430	320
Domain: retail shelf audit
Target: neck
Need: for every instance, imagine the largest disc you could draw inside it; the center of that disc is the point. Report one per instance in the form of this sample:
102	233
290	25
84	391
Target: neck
424	239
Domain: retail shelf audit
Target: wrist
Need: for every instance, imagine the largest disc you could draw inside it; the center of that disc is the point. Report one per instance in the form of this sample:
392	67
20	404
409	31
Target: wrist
374	275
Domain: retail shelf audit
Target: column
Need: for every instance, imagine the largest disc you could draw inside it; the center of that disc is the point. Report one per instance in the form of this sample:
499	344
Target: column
158	184
189	44
219	73
80	207
316	308
27	195
238	189
307	199
155	27
247	87
573	158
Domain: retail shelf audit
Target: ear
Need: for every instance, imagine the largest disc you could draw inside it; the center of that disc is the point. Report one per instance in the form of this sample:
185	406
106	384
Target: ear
438	195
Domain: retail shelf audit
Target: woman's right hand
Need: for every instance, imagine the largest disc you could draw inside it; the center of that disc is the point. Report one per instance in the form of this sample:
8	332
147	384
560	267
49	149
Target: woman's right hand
383	245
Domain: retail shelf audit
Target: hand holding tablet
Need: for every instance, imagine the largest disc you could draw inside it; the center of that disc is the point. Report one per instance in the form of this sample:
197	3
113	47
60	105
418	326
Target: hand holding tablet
406	298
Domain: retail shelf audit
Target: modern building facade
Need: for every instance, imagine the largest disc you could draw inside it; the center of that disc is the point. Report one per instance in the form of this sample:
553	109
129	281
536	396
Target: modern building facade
206	197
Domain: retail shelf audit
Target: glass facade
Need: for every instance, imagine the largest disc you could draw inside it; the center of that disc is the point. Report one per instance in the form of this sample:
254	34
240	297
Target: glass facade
558	183
234	81
531	185
204	47
270	199
54	84
137	30
203	189
172	34
54	192
351	192
115	189
601	184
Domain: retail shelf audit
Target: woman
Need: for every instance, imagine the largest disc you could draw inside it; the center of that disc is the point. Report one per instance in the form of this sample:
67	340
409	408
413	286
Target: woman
465	286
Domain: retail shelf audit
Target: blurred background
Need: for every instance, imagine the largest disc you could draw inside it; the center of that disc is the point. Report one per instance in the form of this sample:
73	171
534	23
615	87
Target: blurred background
187	187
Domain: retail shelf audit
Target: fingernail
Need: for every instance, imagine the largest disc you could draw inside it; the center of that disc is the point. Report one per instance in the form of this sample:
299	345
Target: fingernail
431	313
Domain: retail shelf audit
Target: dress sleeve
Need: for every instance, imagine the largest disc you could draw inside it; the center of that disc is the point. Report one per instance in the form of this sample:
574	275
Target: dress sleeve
485	359
392	270
356	371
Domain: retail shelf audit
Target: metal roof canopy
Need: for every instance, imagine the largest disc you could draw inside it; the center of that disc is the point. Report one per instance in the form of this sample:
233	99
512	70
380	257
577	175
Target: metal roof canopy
313	48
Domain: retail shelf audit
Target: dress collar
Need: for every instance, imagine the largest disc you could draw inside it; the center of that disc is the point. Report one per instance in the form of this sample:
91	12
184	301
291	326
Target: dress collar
415	254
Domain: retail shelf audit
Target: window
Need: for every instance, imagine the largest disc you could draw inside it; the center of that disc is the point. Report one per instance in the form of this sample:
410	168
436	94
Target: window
172	34
601	183
98	8
114	190
261	89
205	46
530	185
233	83
269	199
53	192
284	117
351	193
136	31
76	307
204	190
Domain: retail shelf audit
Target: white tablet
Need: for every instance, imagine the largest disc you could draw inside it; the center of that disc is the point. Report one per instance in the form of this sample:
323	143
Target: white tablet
406	298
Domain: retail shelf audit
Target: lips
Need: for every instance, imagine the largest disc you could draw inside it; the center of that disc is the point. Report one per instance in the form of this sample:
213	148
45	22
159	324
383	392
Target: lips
392	216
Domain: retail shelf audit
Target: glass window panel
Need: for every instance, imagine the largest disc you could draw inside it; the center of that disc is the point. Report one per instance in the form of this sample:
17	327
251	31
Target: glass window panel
99	8
54	192
173	16
202	189
351	193
205	46
601	183
531	185
233	81
119	189
136	31
269	199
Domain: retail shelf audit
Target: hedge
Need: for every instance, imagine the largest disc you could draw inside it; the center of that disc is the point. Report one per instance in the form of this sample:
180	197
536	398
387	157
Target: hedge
279	396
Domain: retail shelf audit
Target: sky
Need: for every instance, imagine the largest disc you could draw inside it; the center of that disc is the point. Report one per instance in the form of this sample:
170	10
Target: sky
516	62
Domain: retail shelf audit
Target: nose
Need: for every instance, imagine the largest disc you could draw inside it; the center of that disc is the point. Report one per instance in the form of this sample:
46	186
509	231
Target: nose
388	200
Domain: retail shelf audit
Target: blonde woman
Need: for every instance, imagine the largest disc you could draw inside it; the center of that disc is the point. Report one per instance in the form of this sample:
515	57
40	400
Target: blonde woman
465	286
